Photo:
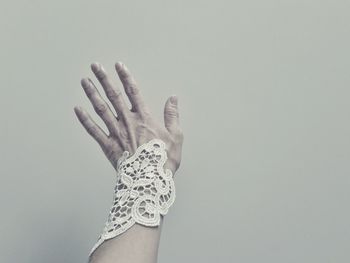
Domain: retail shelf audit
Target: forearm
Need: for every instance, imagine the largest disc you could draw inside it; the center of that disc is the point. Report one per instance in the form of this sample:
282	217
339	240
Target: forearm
146	155
138	244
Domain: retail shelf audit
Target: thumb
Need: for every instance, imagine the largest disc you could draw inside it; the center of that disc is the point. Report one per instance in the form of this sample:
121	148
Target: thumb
171	114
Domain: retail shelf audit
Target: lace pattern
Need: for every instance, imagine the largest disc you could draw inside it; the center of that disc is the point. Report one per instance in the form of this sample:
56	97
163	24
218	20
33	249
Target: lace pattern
143	191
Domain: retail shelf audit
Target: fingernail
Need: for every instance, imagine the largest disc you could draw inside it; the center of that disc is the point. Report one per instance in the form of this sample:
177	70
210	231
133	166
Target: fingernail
95	66
119	65
83	81
77	108
173	99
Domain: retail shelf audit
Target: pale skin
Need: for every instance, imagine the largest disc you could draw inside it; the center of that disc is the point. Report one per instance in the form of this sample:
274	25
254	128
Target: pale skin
127	130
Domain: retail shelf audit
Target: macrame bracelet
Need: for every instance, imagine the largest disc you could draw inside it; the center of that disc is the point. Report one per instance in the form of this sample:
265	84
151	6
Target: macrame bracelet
143	191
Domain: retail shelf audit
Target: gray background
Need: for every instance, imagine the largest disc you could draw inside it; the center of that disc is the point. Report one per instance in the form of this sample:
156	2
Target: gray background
263	91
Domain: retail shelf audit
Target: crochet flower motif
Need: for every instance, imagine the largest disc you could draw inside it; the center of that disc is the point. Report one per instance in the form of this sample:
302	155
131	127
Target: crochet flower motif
143	191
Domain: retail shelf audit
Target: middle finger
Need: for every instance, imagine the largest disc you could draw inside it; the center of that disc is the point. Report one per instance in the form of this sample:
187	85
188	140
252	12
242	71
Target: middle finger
112	92
100	105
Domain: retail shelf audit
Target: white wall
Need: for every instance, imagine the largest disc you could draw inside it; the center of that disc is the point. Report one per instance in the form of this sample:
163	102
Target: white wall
263	91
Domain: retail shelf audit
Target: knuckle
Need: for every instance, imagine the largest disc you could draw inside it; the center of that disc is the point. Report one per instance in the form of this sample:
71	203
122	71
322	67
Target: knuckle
91	129
132	89
179	134
88	90
145	113
101	108
171	112
123	134
83	119
113	94
141	124
100	74
124	74
111	152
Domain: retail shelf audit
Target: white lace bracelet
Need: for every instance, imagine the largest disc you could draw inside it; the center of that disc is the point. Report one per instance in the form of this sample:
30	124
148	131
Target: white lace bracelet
143	190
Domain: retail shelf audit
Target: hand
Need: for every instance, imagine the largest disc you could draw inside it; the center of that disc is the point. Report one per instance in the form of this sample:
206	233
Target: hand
131	127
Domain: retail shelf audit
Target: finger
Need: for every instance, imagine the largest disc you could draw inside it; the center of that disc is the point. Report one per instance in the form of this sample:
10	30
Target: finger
100	105
91	127
171	115
112	92
131	89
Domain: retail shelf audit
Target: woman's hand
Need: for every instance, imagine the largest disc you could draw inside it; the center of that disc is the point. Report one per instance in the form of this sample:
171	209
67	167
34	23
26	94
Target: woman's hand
131	127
